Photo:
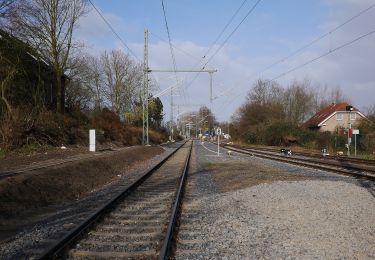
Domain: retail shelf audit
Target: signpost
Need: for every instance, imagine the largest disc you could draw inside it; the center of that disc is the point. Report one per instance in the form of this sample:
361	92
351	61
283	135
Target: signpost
355	133
349	109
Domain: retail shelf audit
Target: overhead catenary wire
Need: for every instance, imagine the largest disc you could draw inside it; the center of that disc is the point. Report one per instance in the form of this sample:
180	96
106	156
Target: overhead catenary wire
177	48
292	54
233	31
119	37
323	55
308	45
227	38
169	39
113	31
224	29
305	64
172	53
317	39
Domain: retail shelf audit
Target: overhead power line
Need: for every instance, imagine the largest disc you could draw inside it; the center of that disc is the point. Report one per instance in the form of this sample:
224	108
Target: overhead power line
308	45
228	37
224	105
177	48
324	54
225	27
120	39
318	38
113	31
169	38
234	30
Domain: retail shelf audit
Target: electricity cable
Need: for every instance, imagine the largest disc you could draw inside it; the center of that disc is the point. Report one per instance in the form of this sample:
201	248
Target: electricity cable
234	30
226	39
113	31
169	39
177	48
308	62
311	43
225	27
323	55
318	38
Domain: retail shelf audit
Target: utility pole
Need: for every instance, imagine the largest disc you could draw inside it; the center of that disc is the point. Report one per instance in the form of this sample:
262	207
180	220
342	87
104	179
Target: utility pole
349	109
212	118
211	72
145	139
171	121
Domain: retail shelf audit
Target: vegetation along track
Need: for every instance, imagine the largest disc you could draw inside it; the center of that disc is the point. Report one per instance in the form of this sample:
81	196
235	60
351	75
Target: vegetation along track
139	223
362	170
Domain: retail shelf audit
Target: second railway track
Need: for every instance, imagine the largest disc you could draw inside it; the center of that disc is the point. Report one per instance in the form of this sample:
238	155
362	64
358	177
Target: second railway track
353	169
138	224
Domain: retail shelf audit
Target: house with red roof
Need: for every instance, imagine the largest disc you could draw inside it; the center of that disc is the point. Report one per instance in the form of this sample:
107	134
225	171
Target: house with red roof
335	116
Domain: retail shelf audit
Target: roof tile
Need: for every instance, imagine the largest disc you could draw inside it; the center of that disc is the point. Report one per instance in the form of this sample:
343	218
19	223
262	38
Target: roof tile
326	112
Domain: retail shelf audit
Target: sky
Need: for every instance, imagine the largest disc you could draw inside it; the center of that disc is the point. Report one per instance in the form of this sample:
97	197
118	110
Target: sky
272	31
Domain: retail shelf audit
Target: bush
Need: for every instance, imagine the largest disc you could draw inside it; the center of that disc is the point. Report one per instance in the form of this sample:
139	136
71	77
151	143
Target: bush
28	129
110	123
115	130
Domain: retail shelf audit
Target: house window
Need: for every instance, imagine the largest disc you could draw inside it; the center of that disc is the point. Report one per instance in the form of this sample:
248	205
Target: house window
353	116
339	116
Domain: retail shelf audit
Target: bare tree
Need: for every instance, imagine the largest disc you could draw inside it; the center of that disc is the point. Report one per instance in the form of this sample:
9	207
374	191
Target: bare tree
48	25
96	80
265	92
323	96
86	87
298	101
122	78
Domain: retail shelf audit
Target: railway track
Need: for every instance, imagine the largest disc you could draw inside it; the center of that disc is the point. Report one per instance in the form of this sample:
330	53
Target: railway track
52	163
316	155
343	167
138	223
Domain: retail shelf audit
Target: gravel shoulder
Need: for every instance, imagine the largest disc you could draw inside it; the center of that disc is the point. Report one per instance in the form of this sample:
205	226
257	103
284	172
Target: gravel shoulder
241	207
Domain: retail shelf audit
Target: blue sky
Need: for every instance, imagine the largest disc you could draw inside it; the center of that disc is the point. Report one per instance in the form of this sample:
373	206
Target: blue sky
272	31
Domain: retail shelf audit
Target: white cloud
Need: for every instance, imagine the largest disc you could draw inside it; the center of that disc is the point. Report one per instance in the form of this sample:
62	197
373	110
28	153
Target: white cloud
96	34
350	68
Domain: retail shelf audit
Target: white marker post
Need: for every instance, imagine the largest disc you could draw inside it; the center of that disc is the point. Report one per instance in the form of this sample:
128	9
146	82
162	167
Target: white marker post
218	132
92	140
355	133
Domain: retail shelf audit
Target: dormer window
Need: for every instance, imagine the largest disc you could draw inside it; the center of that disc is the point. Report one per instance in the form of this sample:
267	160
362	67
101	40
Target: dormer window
339	116
353	116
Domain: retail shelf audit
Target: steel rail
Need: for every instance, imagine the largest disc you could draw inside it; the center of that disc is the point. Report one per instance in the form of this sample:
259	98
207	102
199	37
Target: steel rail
352	165
316	155
46	164
346	170
60	246
165	252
